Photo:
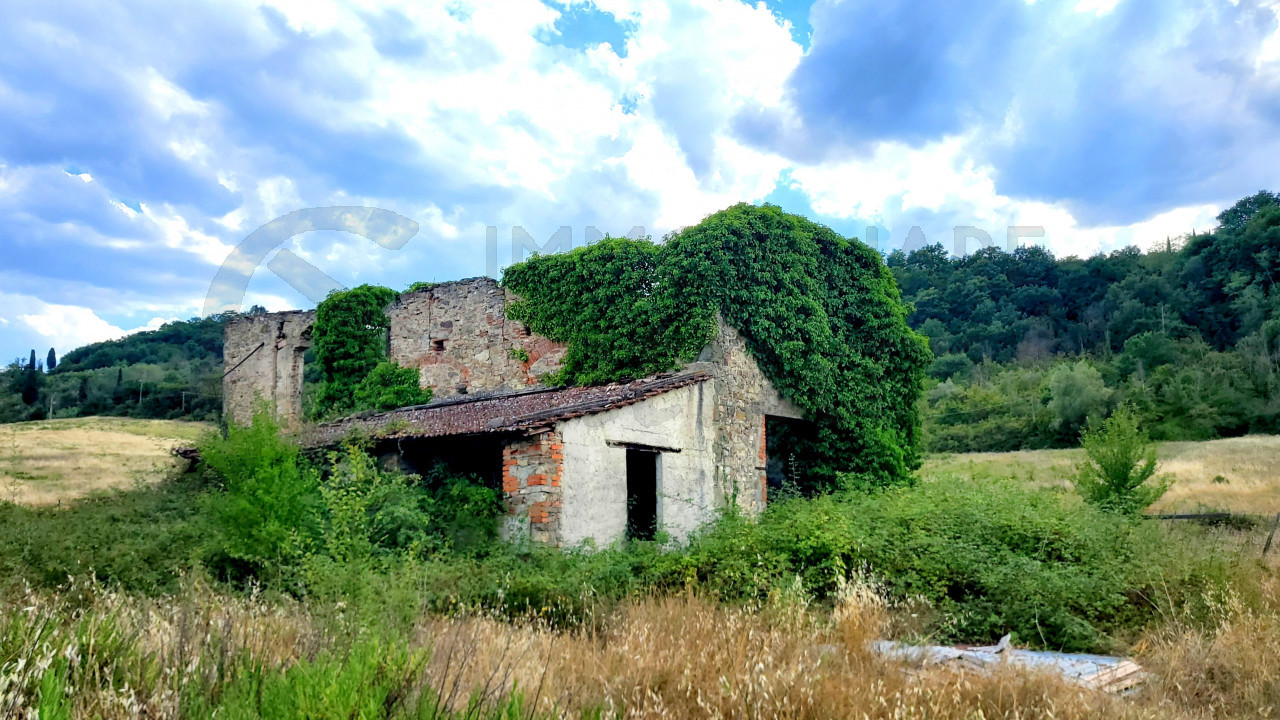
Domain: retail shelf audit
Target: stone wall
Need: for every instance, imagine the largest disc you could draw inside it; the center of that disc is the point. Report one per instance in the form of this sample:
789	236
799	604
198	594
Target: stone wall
531	470
263	361
457	335
743	397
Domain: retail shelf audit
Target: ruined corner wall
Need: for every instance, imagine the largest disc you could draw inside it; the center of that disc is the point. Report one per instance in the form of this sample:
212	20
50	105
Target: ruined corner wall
263	361
457	335
743	397
531	469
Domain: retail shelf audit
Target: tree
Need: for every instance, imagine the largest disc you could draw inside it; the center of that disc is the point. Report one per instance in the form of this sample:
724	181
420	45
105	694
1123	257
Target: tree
32	380
1237	216
1119	467
51	361
1077	392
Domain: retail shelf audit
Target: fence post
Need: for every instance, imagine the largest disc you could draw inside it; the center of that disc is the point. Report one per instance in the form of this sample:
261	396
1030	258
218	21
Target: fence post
1272	536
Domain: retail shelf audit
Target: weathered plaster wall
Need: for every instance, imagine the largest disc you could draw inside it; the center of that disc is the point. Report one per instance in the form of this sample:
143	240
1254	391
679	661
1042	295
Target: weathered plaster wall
531	486
459	338
593	481
263	360
743	396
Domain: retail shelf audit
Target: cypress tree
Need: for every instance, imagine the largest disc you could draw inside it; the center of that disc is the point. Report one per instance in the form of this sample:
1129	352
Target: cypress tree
30	385
51	362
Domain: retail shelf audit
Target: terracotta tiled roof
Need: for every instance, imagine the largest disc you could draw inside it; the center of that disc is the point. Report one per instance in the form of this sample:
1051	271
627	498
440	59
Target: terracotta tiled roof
515	411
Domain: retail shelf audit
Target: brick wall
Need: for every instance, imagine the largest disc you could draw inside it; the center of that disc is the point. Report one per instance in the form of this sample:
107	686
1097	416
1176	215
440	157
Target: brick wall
531	471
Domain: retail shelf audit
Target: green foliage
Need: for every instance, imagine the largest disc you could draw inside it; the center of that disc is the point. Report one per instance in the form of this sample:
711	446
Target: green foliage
976	560
821	314
266	515
1117	474
350	340
823	317
139	540
1077	392
616	305
389	386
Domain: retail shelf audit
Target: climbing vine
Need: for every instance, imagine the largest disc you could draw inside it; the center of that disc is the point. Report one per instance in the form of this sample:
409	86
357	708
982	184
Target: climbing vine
821	314
350	341
614	305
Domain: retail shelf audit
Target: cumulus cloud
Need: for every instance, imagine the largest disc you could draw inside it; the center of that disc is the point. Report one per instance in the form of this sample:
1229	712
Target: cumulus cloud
142	141
38	324
1118	110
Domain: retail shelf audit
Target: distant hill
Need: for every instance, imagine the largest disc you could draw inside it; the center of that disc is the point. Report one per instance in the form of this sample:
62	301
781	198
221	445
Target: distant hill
174	372
190	341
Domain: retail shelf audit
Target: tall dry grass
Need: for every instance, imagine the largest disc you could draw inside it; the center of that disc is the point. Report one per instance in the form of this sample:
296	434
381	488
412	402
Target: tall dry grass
1236	474
53	461
670	657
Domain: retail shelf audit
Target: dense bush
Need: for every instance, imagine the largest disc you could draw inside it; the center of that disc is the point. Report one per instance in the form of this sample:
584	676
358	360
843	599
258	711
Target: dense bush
266	503
974	559
389	386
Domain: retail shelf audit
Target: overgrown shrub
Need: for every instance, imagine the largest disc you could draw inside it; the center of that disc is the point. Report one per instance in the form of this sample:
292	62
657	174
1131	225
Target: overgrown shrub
1118	473
389	386
266	505
350	340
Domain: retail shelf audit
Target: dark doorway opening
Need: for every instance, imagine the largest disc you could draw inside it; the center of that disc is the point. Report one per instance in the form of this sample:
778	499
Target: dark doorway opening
785	440
642	494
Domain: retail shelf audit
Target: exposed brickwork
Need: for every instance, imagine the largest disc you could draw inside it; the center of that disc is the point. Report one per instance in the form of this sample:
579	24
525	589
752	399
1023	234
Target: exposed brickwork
459	338
531	470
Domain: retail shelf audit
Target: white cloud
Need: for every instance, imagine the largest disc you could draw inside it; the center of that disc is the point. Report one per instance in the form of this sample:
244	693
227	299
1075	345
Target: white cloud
61	326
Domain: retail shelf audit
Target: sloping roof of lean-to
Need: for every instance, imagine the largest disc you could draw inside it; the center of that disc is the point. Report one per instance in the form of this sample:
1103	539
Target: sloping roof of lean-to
506	412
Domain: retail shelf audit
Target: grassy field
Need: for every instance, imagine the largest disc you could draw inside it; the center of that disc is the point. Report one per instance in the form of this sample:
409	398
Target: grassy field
1237	474
47	462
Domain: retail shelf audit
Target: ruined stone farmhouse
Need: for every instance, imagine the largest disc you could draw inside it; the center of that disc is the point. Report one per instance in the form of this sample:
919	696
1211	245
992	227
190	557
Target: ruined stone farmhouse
661	453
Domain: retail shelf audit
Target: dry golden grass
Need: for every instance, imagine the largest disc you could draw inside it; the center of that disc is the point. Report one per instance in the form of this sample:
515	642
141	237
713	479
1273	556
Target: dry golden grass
674	657
45	462
1249	465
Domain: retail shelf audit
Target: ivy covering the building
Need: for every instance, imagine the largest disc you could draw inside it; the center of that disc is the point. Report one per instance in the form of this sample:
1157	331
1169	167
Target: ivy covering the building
821	314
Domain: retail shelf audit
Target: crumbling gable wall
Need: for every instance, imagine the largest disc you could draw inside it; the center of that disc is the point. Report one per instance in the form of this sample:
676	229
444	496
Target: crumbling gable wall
459	338
263	362
743	396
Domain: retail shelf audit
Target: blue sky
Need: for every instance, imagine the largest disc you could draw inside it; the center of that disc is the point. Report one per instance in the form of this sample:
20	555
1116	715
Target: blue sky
142	141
